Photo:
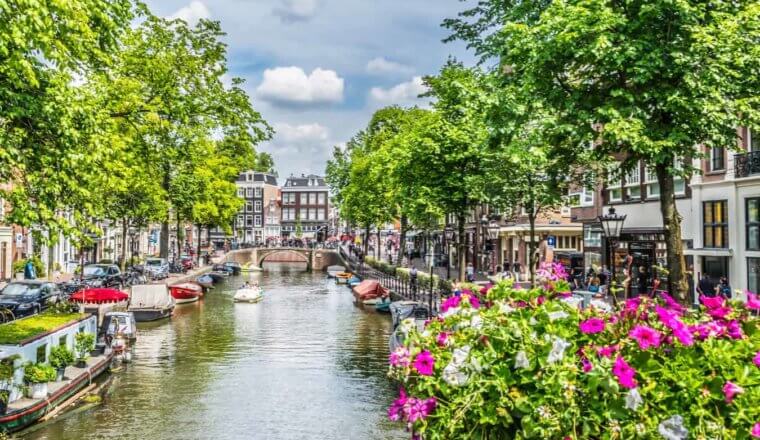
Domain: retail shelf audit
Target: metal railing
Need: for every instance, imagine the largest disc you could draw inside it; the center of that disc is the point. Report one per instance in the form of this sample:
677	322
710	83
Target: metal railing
746	164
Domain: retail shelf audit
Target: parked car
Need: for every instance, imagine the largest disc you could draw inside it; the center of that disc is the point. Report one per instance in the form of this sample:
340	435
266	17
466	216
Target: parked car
157	267
102	275
28	297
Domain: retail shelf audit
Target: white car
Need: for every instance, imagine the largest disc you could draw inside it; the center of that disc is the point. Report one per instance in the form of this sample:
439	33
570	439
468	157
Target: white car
157	268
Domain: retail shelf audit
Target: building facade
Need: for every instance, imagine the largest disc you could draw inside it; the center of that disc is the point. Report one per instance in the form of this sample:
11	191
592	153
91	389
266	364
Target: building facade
257	190
720	210
305	202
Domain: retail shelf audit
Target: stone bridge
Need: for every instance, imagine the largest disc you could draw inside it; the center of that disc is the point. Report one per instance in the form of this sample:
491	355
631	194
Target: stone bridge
315	259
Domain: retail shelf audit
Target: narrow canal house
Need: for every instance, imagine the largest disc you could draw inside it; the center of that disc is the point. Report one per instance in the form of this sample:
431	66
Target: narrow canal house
30	340
305	199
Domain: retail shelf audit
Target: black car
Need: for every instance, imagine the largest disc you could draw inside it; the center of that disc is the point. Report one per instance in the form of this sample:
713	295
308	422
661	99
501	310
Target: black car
103	275
28	297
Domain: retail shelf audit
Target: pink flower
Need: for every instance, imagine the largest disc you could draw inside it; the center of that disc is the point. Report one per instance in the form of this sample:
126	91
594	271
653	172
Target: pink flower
395	412
592	325
625	373
667	317
712	302
753	301
734	329
755	430
474	302
719	312
756	359
399	358
540	300
485	289
672	303
632	305
683	335
442	338
587	365
607	351
424	363
730	390
646	336
419	409
450	303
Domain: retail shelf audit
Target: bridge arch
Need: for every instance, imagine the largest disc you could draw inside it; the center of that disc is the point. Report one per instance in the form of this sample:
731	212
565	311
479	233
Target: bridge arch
284	256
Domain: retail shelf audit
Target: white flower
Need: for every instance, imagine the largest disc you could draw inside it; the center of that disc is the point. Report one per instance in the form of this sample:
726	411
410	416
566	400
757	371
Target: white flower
633	399
558	350
673	429
543	412
532	321
521	361
407	325
461	355
426	333
553	316
505	308
453	375
476	322
450	312
475	364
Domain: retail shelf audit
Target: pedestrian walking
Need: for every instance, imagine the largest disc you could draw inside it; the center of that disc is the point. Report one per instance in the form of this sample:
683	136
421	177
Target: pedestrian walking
724	289
470	273
705	286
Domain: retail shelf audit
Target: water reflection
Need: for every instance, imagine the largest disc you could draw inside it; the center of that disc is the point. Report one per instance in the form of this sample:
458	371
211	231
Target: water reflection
303	364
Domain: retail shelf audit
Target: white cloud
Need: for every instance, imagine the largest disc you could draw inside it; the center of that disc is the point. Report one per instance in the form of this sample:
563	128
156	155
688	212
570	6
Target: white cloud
291	11
400	94
287	134
291	85
191	13
382	66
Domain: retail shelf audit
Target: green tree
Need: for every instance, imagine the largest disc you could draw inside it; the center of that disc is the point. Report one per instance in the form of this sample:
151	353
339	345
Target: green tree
654	81
265	163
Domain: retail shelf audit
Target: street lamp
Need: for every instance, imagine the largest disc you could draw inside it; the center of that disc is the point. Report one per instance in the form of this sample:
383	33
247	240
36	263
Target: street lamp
612	226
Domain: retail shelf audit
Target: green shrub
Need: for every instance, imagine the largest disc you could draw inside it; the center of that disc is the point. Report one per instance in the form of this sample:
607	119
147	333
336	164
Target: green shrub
85	342
61	356
39	266
14	332
39	373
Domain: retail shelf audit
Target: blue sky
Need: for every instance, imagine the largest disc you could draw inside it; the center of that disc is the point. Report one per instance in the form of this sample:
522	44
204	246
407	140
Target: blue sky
317	69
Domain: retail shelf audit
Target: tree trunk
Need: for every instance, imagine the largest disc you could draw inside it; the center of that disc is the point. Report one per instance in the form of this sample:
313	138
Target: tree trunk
461	247
366	240
198	246
179	239
402	241
671	219
476	239
377	248
164	244
532	246
123	262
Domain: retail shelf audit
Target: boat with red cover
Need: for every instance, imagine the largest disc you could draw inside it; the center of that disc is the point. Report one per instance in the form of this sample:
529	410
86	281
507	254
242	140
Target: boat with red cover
184	293
100	296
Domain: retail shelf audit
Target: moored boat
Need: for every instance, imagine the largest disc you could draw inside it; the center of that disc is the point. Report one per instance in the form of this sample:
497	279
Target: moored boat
342	277
249	294
184	293
218	276
383	305
332	271
413	312
369	293
150	302
353	281
233	267
205	280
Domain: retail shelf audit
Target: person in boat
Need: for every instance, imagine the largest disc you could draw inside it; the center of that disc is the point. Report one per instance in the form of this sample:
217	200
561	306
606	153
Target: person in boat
246	285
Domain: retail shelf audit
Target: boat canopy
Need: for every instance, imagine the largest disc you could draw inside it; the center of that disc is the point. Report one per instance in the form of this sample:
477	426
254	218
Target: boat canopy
99	296
150	296
369	289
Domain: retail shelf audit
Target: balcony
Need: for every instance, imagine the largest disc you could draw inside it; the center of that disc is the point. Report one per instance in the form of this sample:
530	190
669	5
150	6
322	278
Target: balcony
746	164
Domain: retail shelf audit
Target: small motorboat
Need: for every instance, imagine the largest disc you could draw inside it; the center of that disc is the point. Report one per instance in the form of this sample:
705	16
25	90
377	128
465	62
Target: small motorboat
370	293
150	302
332	271
343	277
249	294
383	305
415	311
353	281
233	267
217	276
206	281
184	293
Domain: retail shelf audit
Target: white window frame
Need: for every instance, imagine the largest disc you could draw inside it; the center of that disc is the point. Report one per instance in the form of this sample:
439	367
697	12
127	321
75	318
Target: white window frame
240	221
750	133
633	180
611	190
320	214
257	221
304	198
678	165
249	192
257	206
651	181
248	207
321	198
248	221
257	192
712	156
241	192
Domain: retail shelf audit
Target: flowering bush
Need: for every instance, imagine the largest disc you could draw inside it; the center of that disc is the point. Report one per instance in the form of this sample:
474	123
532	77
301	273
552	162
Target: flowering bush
512	363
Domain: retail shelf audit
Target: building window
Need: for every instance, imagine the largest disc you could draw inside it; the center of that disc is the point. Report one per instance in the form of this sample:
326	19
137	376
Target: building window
679	184
257	221
304	198
240	221
753	223
715	220
249	177
320	214
249	192
592	237
753	274
312	214
753	141
312	198
653	186
257	206
241	192
258	192
615	194
321	198
248	206
633	183
717	159
249	220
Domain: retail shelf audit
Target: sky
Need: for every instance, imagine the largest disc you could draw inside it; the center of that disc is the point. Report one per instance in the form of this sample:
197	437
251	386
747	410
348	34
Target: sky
318	69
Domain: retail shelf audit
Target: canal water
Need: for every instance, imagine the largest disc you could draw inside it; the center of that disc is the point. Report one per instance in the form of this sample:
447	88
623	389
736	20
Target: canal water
305	363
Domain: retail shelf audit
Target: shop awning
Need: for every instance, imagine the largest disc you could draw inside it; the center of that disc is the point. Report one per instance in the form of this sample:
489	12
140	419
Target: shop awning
709	252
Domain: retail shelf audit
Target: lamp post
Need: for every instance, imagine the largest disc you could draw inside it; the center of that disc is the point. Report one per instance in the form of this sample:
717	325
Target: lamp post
493	234
449	235
612	226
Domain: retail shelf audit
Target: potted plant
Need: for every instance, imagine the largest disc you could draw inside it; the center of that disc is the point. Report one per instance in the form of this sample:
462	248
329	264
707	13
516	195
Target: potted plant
60	358
6	382
84	343
37	376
